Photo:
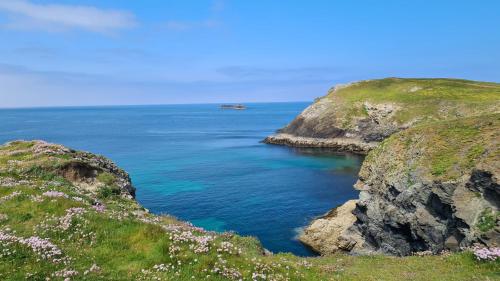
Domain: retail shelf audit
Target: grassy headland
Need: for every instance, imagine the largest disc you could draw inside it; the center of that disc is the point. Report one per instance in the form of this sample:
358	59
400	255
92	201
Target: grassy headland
357	116
414	100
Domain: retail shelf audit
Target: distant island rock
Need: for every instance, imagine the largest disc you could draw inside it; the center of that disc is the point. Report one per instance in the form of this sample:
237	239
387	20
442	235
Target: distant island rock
233	106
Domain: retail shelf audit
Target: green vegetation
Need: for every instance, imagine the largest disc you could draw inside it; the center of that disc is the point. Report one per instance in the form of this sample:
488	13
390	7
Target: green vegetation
446	149
415	100
52	228
487	220
110	187
106	178
108	191
420	90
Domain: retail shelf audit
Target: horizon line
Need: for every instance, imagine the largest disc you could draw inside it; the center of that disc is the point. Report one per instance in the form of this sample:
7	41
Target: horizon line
139	105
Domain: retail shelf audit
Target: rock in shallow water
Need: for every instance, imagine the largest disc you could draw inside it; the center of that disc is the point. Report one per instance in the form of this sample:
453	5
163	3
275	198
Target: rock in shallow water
330	233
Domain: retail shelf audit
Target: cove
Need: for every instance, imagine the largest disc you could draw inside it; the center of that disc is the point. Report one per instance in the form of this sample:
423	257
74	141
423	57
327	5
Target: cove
205	165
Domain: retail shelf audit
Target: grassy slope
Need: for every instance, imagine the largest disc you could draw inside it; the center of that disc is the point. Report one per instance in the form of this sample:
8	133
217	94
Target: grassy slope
126	243
418	100
446	149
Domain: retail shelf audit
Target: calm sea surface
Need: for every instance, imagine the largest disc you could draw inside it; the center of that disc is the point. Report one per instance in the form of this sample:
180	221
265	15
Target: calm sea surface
204	164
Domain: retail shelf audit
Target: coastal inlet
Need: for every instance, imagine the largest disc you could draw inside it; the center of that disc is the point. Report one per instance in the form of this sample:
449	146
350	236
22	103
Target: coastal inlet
205	165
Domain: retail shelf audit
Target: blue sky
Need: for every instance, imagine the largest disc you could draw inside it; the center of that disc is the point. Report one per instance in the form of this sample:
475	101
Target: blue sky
69	52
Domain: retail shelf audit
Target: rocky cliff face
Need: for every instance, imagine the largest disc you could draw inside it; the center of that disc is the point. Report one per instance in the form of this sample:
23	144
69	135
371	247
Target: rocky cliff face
323	125
429	188
357	116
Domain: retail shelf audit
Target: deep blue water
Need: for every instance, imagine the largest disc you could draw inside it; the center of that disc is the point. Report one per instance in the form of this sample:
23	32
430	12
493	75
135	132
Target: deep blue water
204	164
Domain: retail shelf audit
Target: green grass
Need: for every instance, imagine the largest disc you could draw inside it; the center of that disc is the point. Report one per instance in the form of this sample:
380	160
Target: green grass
448	149
487	220
106	178
418	100
126	243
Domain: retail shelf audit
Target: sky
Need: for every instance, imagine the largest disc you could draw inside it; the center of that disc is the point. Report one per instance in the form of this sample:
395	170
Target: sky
118	52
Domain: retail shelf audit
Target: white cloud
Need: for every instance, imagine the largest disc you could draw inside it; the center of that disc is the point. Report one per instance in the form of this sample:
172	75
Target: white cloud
54	17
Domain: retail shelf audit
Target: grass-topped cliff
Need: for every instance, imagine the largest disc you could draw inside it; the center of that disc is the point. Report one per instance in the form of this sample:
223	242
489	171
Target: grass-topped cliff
432	187
357	116
69	215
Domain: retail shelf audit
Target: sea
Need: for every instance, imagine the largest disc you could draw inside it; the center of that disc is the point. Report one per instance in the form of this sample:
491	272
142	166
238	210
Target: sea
205	165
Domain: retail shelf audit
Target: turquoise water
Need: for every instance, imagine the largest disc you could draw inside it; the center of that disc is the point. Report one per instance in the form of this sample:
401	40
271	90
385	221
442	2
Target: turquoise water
204	164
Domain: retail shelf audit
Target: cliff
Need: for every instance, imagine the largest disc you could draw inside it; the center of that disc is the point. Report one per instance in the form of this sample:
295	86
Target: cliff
432	187
357	116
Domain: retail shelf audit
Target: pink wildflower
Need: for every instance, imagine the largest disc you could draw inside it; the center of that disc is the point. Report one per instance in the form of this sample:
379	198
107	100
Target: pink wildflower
54	194
491	254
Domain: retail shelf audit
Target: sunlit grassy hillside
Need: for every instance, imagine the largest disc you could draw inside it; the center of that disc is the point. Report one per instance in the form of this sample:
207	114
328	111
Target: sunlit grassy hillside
374	109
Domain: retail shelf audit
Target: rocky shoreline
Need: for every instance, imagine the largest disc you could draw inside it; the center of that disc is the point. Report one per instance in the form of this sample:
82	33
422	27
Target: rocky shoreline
337	144
329	233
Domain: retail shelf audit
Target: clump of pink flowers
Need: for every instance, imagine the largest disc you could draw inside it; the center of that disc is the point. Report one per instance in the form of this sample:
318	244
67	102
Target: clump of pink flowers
65	273
65	222
42	247
55	194
200	244
487	254
93	269
42	147
10	196
100	208
228	247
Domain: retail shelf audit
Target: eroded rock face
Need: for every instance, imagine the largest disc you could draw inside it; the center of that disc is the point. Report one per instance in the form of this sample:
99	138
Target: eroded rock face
398	219
430	188
86	167
322	125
